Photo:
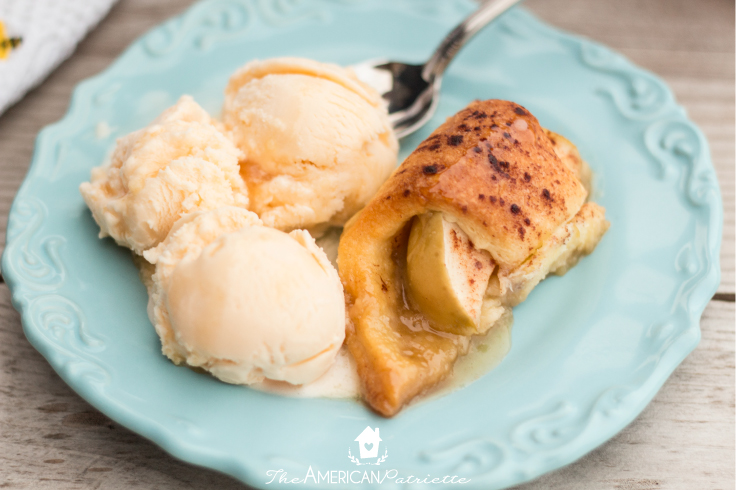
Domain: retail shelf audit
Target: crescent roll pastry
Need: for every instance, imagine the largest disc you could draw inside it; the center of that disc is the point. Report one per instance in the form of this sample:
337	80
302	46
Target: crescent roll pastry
461	232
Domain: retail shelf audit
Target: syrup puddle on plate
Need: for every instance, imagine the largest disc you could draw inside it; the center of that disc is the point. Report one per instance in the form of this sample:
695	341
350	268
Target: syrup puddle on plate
341	380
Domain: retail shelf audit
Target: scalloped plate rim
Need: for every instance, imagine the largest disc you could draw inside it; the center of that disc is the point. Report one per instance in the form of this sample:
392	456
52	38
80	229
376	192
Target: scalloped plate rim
169	440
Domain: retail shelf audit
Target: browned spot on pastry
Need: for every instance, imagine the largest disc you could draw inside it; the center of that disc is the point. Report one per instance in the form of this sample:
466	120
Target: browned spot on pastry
527	221
430	144
478	149
455	139
407	192
521	232
501	201
546	194
430	169
477	115
527	177
515	209
384	287
464	208
520	111
455	240
499	167
481	196
492	199
494	126
478	265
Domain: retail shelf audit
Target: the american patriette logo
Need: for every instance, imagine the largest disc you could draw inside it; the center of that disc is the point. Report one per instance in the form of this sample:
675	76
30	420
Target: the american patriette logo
368	442
368	447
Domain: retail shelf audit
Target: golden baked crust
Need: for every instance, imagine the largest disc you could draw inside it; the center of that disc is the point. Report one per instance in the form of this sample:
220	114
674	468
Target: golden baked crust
570	156
515	177
496	172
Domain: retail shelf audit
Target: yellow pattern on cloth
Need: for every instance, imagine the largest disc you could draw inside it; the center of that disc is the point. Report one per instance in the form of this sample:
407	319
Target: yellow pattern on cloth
7	44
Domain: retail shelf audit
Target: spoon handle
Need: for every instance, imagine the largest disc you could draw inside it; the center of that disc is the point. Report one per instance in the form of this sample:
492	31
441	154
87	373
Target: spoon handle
451	44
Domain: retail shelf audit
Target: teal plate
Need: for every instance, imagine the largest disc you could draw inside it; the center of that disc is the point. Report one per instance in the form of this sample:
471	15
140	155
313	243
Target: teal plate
590	349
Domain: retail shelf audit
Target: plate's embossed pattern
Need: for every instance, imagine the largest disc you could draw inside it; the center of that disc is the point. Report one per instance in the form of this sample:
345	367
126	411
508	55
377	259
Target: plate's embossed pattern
471	457
281	13
548	430
205	24
210	22
106	94
555	427
674	144
63	323
640	96
34	261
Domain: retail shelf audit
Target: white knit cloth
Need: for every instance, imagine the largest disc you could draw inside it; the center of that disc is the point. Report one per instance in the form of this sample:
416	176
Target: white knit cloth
50	30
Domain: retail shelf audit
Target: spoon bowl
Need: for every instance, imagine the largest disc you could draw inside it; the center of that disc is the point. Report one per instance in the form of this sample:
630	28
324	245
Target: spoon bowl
412	91
411	99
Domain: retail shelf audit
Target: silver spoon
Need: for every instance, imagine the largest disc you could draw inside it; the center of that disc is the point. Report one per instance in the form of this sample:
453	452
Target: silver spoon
413	91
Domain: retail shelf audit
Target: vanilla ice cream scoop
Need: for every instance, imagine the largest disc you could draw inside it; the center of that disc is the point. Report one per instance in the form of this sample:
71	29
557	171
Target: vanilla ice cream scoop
317	143
185	241
246	302
179	164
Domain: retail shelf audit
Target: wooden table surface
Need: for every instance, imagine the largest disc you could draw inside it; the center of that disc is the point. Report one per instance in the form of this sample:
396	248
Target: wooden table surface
52	439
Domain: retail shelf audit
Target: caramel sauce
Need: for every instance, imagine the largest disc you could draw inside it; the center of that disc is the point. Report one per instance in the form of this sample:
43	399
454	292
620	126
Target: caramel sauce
424	345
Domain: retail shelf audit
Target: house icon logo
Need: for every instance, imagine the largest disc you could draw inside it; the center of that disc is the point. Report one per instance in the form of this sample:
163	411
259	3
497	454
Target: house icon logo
368	441
368	444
